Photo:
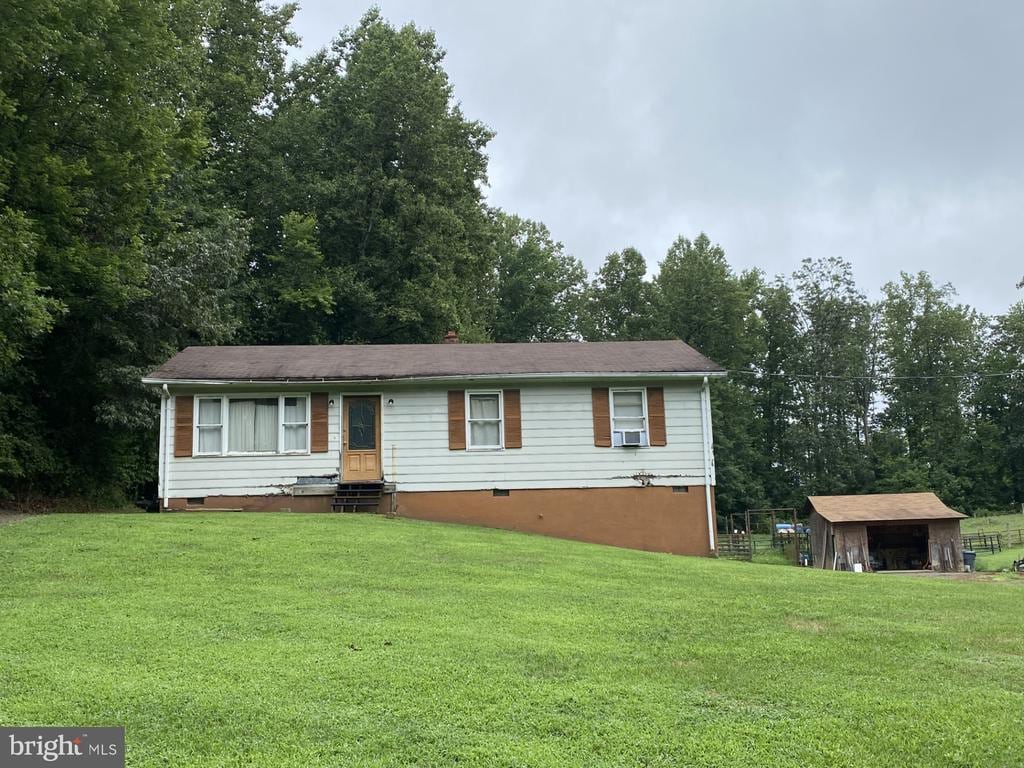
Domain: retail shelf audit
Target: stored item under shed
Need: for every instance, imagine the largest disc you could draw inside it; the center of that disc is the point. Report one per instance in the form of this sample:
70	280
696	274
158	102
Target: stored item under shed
885	532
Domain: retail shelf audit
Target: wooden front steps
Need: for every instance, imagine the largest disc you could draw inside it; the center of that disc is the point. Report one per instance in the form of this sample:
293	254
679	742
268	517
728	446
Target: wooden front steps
355	497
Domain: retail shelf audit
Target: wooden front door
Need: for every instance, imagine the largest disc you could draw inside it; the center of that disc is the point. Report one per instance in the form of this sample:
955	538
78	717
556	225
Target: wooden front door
360	453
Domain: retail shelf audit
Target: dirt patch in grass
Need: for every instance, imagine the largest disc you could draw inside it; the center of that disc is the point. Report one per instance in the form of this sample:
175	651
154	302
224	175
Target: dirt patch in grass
7	516
806	625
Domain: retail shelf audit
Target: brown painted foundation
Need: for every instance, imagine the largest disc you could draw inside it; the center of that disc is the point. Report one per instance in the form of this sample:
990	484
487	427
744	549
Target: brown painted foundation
654	518
276	503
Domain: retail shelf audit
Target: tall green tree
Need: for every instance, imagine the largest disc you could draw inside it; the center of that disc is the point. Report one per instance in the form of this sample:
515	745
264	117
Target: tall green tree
367	139
92	135
834	367
539	289
300	288
107	177
930	346
244	67
403	208
26	312
622	305
776	397
999	405
287	174
703	302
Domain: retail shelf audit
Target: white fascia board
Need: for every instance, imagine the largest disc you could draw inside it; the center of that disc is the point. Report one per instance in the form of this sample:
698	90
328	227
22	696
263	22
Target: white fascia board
633	376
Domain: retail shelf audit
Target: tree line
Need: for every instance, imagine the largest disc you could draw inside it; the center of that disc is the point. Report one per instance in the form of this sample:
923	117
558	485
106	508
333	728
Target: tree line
167	178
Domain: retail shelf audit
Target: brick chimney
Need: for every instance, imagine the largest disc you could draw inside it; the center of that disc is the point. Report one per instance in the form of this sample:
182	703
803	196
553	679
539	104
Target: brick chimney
452	337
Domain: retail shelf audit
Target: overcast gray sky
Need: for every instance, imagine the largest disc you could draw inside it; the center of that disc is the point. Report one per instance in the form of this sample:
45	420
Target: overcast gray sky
888	133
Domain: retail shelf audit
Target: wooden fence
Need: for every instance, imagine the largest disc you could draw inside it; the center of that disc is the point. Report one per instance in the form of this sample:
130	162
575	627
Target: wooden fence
735	545
993	542
742	546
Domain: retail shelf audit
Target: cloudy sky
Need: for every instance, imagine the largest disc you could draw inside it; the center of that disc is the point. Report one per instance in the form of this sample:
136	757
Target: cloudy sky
888	133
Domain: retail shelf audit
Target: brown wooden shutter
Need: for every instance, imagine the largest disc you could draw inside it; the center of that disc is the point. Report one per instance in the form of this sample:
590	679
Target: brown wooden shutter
318	422
656	416
513	419
183	405
602	417
457	420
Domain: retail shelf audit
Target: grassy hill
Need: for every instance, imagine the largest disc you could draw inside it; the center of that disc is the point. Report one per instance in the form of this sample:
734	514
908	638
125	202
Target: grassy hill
305	640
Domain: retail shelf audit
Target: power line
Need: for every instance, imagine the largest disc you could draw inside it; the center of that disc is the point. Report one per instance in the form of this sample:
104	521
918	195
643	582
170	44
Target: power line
880	376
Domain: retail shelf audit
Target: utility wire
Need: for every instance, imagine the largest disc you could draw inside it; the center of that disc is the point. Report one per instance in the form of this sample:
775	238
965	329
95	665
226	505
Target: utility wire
880	376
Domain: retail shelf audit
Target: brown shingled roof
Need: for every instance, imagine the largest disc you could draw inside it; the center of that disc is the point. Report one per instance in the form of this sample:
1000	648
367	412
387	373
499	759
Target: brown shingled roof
872	507
354	362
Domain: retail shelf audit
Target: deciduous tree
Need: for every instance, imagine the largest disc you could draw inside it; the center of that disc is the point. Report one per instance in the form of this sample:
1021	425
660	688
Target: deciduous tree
539	289
622	304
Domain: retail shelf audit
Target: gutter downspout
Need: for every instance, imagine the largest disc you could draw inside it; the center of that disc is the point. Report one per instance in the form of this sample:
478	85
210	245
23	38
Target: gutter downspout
705	426
165	397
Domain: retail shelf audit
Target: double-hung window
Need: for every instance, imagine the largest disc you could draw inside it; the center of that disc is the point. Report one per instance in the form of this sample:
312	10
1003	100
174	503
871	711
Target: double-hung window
209	426
252	425
484	420
629	418
295	424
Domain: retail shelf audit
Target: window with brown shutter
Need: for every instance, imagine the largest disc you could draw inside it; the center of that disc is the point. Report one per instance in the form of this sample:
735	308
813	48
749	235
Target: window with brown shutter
656	416
183	405
318	422
457	420
513	420
602	417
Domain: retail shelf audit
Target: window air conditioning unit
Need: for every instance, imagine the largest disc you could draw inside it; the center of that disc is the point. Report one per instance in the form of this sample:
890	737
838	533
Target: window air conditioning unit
631	437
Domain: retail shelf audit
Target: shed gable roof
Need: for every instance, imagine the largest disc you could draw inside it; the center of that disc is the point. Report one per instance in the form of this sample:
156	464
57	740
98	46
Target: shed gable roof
872	507
362	362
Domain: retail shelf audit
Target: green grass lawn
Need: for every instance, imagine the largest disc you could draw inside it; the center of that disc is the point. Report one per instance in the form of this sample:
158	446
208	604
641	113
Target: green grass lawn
320	640
999	561
1008	526
992	524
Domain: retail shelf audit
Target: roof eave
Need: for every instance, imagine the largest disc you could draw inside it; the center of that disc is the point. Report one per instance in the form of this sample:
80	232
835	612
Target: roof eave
911	519
599	375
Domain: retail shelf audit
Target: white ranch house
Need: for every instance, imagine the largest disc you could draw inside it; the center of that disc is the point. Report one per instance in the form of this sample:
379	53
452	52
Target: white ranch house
607	442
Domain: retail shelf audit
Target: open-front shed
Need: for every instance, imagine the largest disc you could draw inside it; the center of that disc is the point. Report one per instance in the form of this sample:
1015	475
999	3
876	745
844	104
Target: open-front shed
885	532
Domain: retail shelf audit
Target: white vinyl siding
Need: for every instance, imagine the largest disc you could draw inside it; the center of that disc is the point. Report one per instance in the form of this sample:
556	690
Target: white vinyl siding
558	447
558	444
